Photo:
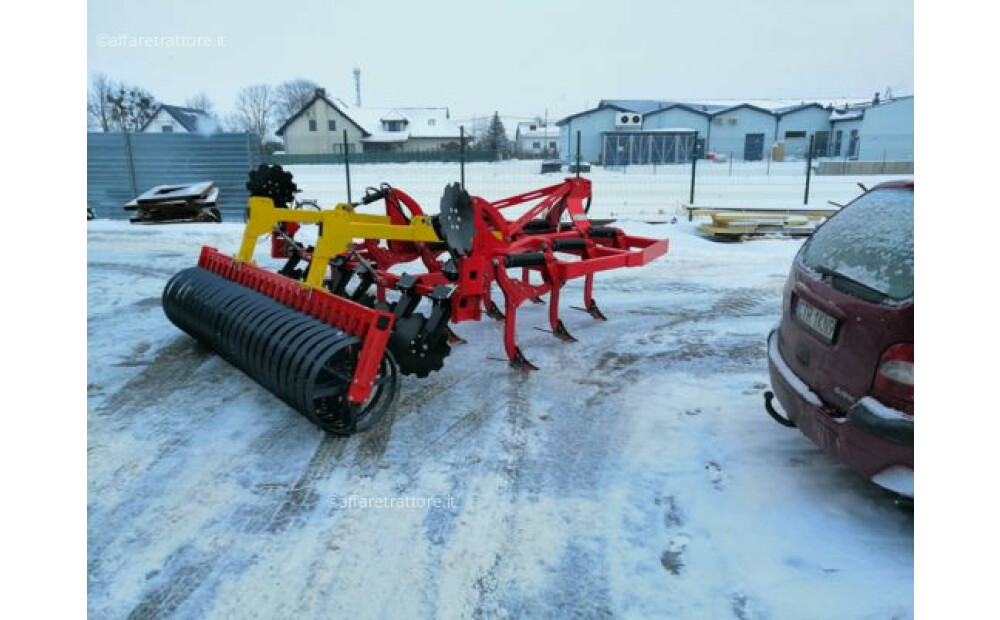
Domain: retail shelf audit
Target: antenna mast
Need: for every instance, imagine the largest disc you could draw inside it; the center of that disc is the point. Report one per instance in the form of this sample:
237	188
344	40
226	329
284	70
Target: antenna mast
357	87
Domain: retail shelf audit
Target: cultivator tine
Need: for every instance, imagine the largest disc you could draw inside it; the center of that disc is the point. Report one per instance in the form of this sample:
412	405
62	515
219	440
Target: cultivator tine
592	310
588	300
519	362
494	312
454	338
562	333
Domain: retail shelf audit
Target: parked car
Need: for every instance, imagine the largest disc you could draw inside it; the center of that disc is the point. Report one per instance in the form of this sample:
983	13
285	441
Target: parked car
841	359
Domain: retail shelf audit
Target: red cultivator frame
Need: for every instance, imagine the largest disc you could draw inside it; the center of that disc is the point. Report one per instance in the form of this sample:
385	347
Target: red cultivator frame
547	250
369	305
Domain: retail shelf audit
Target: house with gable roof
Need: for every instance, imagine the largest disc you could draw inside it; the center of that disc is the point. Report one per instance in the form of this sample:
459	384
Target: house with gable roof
318	127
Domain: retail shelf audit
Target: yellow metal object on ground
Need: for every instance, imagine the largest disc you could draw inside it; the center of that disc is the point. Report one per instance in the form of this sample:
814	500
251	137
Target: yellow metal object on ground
741	222
340	227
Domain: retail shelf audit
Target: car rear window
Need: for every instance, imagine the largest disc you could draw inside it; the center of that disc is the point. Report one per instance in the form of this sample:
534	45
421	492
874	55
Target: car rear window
870	242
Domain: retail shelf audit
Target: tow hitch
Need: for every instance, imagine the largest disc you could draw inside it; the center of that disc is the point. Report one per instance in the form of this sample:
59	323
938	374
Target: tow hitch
771	411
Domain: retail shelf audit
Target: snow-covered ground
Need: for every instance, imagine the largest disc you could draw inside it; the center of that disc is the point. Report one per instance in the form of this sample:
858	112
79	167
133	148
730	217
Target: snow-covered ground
635	475
647	192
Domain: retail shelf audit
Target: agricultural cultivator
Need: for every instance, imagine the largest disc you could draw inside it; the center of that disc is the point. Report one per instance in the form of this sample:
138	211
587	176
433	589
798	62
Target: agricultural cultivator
376	295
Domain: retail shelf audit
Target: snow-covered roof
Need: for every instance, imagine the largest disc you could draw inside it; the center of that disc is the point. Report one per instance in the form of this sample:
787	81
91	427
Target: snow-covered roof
419	123
429	122
189	118
710	107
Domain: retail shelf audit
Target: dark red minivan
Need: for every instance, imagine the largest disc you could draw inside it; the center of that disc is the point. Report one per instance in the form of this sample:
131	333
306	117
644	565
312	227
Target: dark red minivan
841	359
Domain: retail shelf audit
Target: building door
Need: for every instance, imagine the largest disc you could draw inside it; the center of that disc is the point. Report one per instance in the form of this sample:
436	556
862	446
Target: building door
852	146
838	137
753	147
821	142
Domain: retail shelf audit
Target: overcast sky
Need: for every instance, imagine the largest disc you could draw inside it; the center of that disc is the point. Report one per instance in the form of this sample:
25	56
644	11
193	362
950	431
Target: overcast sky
520	57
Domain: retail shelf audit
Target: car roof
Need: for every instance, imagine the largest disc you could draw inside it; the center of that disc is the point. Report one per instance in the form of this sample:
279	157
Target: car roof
903	184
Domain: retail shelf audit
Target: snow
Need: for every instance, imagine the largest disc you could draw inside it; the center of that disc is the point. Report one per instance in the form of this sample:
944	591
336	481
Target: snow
639	192
881	410
635	475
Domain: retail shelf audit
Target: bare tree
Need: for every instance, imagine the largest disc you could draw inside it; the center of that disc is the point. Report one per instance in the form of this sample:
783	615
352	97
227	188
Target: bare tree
292	96
203	103
100	112
255	107
132	107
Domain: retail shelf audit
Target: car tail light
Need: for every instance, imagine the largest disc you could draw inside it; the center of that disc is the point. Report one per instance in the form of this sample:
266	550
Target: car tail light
894	378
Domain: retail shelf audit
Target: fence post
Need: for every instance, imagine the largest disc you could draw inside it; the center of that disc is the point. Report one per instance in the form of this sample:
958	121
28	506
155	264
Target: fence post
694	166
768	173
461	153
347	167
883	161
809	167
730	164
578	153
131	164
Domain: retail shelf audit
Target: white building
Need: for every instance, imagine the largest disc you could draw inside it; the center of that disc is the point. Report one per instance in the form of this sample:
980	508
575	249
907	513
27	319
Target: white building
887	131
620	132
536	138
175	119
318	128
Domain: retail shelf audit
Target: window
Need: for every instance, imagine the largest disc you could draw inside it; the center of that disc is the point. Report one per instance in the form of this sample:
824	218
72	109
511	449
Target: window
312	124
794	134
533	127
552	145
393	125
331	125
852	147
536	145
870	242
167	129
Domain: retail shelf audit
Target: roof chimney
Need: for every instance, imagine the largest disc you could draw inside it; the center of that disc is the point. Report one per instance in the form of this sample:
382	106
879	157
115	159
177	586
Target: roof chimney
321	92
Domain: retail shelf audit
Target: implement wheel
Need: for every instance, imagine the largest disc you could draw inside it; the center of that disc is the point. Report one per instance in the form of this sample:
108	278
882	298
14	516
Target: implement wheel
330	409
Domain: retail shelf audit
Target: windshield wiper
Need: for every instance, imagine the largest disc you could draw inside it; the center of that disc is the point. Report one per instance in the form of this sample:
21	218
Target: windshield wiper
871	294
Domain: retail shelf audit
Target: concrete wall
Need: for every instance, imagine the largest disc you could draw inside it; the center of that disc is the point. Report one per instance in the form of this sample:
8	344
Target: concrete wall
809	120
299	140
836	167
887	132
727	133
160	120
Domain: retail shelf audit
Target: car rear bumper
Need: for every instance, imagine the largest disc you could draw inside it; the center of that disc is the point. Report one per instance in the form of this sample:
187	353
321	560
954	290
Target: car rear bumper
872	439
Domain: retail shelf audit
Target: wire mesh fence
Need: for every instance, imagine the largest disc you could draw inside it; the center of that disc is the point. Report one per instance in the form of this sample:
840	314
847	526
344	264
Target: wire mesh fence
639	192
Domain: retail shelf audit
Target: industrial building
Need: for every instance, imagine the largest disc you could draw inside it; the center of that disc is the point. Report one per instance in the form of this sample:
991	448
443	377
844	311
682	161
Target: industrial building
641	132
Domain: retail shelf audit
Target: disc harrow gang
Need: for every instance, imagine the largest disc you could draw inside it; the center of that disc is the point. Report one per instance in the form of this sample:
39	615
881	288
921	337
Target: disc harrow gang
332	329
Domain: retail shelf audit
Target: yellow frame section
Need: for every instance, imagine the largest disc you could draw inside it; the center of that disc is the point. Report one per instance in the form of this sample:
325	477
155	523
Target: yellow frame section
341	226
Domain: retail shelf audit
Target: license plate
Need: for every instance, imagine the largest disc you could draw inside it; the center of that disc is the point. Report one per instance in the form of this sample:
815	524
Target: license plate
815	319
